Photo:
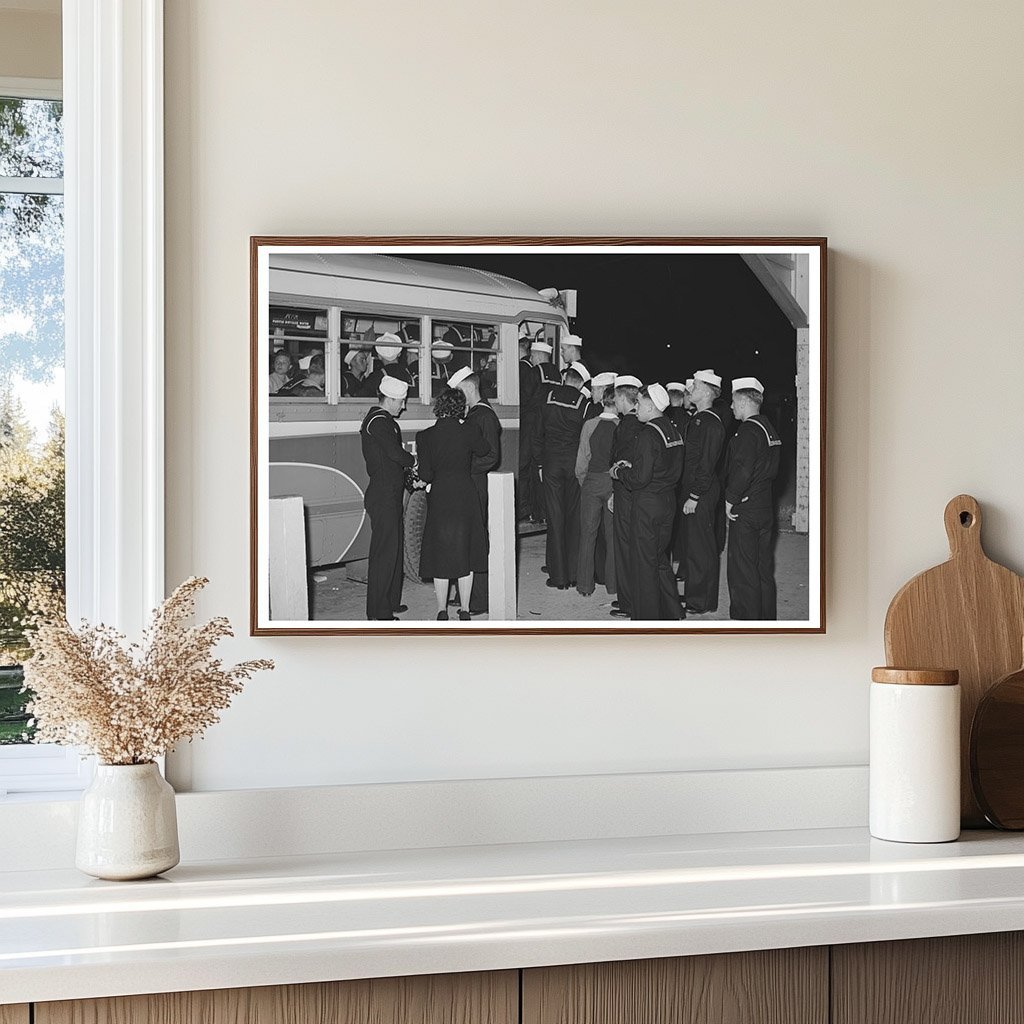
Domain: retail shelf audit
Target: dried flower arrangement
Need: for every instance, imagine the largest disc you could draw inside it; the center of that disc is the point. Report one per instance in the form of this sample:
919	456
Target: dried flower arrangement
129	704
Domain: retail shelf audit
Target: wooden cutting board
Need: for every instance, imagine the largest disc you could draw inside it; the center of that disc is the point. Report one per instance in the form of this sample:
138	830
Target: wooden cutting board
967	614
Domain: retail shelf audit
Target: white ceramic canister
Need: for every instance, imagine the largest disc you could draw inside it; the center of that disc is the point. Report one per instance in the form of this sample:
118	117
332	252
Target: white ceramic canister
127	824
915	755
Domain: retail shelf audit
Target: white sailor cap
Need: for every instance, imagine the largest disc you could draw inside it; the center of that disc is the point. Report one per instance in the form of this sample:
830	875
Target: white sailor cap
304	362
388	346
659	396
581	370
540	346
393	387
674	385
709	377
573	339
351	354
441	348
460	375
689	384
628	380
747	384
602	380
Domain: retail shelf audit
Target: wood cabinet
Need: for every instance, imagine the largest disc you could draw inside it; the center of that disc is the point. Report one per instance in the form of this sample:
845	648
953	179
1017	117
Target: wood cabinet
481	998
777	986
962	979
967	979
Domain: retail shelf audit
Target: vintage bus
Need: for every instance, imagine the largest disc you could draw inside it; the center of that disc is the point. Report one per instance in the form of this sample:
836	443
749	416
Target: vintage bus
324	309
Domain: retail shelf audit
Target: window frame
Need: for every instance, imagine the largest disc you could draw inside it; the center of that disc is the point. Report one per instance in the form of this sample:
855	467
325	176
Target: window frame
112	89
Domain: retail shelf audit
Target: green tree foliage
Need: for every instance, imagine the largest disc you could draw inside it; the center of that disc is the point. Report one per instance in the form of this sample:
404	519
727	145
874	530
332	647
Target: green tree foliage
31	241
31	524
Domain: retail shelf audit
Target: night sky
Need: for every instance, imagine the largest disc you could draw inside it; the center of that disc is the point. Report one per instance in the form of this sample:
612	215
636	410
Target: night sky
661	317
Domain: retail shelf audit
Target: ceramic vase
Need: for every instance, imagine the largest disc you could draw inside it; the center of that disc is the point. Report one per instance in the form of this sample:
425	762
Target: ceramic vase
127	825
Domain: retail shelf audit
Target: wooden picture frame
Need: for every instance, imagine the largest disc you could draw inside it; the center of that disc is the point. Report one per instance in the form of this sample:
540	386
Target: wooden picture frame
719	301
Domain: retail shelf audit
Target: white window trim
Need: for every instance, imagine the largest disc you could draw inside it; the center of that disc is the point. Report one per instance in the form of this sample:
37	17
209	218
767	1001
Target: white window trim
114	330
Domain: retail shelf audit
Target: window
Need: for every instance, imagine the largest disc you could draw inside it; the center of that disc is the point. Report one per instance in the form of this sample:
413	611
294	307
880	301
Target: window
473	345
297	369
32	541
364	363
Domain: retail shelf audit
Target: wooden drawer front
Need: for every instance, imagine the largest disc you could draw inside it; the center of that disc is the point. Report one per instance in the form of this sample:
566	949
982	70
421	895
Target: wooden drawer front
484	998
963	979
779	986
14	1014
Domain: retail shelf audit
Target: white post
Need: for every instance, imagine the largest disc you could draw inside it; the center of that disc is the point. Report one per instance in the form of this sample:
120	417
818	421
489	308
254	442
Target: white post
114	309
501	560
289	596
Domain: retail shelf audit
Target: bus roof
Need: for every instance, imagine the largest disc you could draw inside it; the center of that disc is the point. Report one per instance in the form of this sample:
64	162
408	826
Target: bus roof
387	269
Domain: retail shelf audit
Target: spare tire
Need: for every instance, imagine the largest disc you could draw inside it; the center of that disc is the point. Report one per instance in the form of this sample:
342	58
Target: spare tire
415	519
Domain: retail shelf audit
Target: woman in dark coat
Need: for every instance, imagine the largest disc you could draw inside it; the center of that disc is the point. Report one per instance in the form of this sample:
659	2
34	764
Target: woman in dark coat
454	536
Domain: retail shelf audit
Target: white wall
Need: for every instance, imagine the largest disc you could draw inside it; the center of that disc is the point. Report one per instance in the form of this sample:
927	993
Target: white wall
894	129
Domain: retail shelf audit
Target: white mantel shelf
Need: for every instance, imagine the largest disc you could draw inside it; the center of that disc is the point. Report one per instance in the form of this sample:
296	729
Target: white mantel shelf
227	924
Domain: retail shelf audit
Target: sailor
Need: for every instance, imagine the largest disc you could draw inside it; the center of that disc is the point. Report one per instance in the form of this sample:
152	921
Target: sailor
754	453
571	349
677	411
584	375
541	376
705	438
357	362
556	441
652	478
599	384
440	364
386	463
596	562
485	419
688	397
526	486
678	392
312	383
540	356
627	391
389	348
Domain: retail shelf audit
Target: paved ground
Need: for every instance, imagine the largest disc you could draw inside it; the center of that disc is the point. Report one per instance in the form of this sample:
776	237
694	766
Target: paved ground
336	597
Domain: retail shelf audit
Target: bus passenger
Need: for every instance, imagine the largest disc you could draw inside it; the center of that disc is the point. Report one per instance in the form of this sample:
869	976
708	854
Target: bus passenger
357	363
312	384
281	372
389	348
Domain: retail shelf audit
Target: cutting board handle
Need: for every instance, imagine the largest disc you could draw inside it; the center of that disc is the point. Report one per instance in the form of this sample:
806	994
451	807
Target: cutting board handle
963	527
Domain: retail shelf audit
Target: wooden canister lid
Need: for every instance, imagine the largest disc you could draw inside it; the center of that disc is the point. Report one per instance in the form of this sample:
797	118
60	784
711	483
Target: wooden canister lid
916	676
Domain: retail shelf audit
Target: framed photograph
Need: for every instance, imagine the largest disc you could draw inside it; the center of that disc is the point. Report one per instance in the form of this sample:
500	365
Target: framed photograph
537	435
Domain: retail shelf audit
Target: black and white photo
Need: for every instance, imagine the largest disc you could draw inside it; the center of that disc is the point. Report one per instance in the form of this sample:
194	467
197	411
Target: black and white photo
537	435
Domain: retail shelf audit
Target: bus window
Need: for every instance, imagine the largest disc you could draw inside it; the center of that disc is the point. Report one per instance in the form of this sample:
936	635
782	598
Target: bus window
365	360
462	344
297	354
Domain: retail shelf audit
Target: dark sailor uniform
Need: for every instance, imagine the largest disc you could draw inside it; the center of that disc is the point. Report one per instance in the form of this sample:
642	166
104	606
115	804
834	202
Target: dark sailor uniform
386	463
680	416
534	382
556	442
485	419
623	447
371	385
653	479
753	464
526	489
705	437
